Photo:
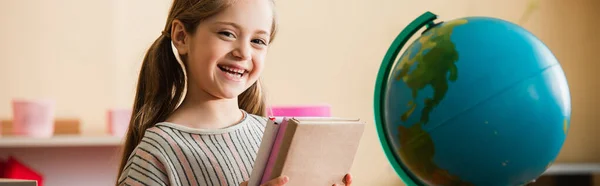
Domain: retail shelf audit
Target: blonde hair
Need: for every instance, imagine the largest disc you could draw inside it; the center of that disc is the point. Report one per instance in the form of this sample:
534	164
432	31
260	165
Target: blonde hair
161	71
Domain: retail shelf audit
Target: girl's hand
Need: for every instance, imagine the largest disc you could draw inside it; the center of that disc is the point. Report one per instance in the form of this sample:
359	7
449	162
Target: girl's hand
347	180
279	181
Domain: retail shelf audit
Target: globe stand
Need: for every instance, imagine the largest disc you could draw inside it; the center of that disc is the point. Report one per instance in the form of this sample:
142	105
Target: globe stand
425	19
431	25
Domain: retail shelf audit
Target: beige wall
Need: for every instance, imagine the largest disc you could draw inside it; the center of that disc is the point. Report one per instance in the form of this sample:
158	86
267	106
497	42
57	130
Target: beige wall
85	54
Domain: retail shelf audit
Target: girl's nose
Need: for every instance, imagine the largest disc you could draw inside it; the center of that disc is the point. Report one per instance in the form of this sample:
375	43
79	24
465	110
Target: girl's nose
242	51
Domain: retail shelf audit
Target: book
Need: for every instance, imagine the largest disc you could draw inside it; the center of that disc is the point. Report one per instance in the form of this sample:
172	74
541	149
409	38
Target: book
17	182
262	156
309	150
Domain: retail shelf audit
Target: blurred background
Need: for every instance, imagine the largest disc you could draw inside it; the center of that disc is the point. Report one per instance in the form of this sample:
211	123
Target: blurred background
85	55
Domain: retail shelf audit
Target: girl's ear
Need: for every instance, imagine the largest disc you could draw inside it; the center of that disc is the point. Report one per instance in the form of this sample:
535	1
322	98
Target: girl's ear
179	37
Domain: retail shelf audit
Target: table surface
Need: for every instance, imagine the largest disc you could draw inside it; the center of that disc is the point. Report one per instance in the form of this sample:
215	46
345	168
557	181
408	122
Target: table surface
573	169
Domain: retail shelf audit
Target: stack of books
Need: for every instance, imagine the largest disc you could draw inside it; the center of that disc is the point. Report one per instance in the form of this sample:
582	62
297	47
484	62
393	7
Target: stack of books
309	150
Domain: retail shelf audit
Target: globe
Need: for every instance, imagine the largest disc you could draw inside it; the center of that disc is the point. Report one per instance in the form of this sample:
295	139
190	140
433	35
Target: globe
471	101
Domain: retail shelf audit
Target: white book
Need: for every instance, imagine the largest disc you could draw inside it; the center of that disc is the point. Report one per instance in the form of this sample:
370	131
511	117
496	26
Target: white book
263	153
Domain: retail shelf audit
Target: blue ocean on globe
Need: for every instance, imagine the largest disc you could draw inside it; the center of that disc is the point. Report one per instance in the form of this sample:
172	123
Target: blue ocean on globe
476	101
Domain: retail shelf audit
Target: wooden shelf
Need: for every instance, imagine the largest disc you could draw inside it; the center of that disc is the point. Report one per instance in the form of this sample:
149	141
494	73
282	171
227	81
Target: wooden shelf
59	141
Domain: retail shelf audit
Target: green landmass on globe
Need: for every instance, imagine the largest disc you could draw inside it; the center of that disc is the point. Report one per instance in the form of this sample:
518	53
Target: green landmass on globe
432	68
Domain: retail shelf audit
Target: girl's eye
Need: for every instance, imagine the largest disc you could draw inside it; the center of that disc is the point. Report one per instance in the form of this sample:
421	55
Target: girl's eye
259	41
227	34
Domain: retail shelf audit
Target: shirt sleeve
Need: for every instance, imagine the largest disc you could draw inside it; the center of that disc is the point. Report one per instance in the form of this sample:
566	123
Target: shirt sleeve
145	166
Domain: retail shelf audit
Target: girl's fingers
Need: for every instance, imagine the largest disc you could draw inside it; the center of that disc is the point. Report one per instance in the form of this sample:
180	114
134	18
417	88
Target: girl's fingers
348	179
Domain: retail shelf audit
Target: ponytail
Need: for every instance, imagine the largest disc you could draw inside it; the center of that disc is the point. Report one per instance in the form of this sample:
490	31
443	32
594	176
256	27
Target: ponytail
160	88
253	100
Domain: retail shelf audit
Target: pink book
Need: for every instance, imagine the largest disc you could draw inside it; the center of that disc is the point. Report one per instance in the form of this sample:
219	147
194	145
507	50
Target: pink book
274	151
300	111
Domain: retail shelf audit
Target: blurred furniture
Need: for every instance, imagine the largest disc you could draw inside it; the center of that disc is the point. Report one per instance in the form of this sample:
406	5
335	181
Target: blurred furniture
62	126
67	159
569	174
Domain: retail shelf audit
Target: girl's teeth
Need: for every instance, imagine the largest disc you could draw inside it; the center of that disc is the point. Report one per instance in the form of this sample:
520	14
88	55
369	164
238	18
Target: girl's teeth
234	75
234	70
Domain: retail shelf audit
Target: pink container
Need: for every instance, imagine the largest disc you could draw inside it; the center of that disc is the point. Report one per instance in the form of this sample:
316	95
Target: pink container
118	121
300	111
33	118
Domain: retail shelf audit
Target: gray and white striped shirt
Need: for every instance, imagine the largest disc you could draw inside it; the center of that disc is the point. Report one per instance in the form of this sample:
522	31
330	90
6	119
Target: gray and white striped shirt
172	154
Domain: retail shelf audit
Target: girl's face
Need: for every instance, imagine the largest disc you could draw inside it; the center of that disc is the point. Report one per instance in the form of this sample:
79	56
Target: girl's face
226	53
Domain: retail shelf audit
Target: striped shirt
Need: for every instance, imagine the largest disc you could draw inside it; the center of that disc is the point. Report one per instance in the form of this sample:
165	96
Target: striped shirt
171	154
